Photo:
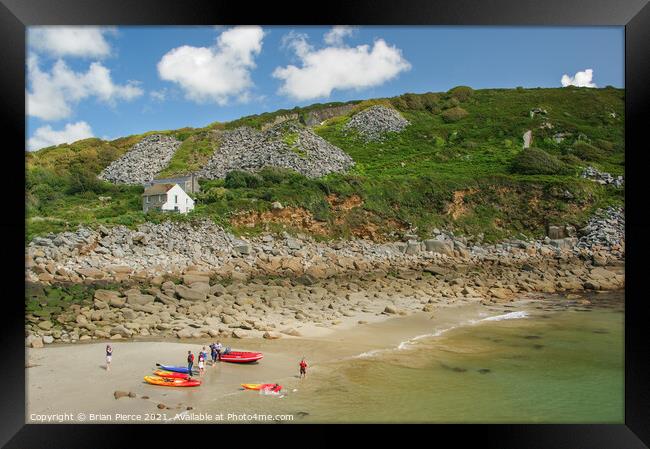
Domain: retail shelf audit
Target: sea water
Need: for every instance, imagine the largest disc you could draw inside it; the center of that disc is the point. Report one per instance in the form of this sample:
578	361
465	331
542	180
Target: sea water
557	361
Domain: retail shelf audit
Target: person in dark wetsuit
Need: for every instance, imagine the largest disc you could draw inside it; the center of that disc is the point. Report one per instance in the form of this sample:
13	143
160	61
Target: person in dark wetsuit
190	363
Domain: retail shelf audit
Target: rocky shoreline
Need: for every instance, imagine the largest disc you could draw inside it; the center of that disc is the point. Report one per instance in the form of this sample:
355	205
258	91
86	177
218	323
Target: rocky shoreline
194	281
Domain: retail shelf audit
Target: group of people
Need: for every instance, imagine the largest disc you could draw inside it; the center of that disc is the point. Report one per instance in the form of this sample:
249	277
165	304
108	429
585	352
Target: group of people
215	354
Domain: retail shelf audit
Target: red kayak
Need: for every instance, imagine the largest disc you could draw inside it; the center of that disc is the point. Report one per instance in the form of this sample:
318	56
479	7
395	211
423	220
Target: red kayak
241	357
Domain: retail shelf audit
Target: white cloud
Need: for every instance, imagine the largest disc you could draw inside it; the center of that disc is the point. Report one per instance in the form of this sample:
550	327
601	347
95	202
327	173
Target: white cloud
158	95
338	66
79	41
336	35
216	73
45	136
580	79
53	94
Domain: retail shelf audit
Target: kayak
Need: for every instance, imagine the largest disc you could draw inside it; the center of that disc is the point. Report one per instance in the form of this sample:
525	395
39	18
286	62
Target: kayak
170	374
169	382
175	369
257	387
241	357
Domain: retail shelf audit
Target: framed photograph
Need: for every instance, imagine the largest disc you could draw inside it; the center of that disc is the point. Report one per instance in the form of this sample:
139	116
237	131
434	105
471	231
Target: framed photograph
393	214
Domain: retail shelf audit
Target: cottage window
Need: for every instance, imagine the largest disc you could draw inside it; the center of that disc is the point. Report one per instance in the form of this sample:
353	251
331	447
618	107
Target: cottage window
148	199
176	199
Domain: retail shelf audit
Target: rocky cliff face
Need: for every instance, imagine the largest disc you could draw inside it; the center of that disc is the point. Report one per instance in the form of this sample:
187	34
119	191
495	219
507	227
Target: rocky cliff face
287	145
373	123
143	162
317	117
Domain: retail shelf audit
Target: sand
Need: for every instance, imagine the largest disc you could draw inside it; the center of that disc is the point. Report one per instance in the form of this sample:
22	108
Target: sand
70	383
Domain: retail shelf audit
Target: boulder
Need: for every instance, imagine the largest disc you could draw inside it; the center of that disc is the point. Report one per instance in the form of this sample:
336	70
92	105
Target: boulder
105	295
189	279
271	335
117	301
92	273
185	333
191	294
45	325
390	310
439	246
291	331
120	394
412	247
121	331
34	341
140	299
239	333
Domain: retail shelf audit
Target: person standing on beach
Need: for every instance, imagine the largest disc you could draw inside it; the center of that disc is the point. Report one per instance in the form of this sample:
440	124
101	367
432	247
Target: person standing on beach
303	368
213	353
190	363
217	348
201	363
109	357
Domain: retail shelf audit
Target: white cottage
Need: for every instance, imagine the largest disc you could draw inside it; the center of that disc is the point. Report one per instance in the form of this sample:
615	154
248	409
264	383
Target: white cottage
166	197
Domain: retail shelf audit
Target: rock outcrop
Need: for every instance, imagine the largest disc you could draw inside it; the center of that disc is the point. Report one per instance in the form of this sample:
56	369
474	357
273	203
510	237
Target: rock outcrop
602	177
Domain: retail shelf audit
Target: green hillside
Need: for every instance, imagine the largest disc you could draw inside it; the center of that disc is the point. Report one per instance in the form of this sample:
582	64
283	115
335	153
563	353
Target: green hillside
458	165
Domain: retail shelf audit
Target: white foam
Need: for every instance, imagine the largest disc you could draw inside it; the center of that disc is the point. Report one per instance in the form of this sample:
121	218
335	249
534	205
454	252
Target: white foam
411	342
372	353
508	316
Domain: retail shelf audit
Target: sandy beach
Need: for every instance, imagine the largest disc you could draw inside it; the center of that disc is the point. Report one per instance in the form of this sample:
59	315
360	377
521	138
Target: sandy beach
69	383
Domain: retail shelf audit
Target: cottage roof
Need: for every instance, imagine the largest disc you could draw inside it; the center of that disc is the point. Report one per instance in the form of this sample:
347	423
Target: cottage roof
157	189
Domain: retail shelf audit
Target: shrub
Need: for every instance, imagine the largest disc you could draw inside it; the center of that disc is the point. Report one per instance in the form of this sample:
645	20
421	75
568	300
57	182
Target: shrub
454	114
462	93
237	179
570	159
604	144
413	101
399	103
431	101
587	152
82	180
277	175
533	161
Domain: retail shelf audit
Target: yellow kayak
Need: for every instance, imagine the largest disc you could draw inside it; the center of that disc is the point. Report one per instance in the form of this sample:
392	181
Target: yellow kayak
171	382
272	387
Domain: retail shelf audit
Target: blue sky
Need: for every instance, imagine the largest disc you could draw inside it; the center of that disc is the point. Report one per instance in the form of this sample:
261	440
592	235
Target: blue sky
113	82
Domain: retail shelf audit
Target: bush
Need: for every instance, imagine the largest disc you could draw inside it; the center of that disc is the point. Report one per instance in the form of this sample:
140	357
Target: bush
587	152
413	101
604	144
454	114
533	161
82	180
431	101
462	93
570	159
237	179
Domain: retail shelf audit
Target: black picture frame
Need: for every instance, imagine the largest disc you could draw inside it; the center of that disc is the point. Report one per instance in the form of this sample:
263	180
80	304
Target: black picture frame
634	15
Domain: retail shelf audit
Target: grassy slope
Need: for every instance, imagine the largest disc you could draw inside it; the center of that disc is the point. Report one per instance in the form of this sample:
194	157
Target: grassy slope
414	176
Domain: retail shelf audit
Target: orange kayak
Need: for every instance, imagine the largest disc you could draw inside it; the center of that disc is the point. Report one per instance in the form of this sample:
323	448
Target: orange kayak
171	382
